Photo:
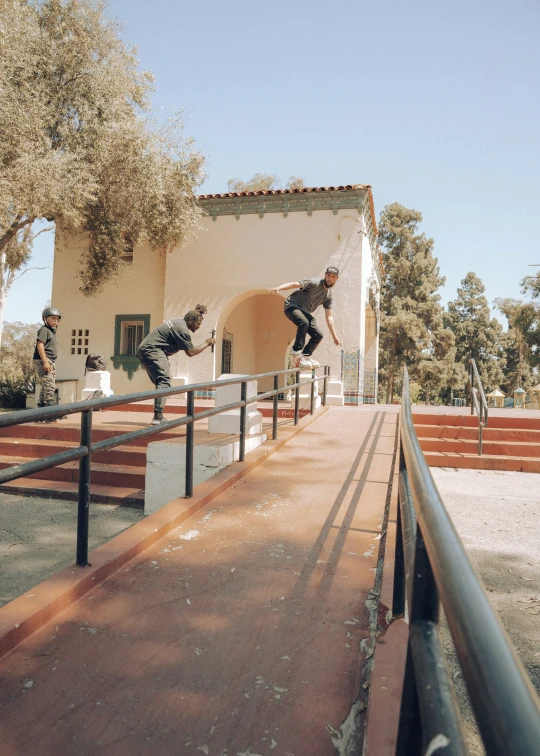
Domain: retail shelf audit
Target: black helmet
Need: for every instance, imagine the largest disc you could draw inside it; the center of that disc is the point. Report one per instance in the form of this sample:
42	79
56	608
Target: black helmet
48	311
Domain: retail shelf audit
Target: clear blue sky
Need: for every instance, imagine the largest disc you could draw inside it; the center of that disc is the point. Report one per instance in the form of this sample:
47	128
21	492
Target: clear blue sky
435	104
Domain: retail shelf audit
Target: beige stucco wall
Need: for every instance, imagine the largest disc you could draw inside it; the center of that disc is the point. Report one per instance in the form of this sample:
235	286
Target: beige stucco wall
138	291
229	266
252	254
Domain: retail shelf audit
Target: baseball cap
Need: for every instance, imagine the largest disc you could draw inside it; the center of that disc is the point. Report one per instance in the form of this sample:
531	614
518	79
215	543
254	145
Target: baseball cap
332	269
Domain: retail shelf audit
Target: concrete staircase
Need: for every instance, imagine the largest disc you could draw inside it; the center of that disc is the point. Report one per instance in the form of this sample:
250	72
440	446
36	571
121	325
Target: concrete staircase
509	442
117	475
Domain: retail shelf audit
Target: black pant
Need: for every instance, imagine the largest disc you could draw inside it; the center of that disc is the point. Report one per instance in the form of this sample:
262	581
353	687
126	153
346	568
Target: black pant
157	366
305	324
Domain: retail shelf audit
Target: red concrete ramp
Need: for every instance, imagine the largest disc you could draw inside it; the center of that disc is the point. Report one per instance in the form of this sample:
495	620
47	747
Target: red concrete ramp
244	631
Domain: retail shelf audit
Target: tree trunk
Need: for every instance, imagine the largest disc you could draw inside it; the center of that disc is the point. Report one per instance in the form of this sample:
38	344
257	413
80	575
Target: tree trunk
3	292
390	388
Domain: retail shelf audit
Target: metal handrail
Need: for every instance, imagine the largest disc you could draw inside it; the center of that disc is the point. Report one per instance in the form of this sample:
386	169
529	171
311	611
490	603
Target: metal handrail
481	406
84	451
432	564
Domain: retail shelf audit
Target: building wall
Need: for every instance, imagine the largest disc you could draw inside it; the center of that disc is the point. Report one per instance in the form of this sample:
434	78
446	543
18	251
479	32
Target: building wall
231	257
139	291
229	267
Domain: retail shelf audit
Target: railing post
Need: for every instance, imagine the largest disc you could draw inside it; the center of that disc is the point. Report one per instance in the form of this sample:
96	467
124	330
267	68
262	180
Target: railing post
190	430
398	594
243	396
296	397
275	408
325	382
312	392
84	489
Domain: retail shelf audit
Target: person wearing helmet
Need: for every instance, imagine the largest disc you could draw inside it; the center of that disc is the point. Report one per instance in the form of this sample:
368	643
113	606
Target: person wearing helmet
45	355
299	308
169	338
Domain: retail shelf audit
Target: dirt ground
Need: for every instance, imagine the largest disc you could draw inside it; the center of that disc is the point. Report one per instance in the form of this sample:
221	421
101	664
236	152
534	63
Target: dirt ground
497	515
38	537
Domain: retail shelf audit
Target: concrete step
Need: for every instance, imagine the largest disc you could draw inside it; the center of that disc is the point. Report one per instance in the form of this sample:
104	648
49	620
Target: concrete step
471	433
485	462
493	448
471	421
63	432
180	409
37	448
109	475
54	489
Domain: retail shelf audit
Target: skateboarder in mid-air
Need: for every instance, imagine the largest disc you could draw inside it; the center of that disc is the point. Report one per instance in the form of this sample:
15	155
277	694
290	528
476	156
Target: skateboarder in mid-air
171	337
299	308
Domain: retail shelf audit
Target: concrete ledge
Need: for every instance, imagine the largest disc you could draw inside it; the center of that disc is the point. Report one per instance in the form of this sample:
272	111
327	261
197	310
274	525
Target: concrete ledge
385	691
28	613
390	651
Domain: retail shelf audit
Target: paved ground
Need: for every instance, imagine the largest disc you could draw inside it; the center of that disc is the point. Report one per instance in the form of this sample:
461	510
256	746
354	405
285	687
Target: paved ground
244	631
497	515
38	537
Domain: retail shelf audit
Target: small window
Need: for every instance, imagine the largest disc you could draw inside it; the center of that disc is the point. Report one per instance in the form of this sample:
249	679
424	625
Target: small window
72	350
131	336
129	331
73	332
227	352
80	333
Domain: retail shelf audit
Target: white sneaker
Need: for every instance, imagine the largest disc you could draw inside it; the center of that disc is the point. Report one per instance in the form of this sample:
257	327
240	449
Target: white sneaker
303	362
314	363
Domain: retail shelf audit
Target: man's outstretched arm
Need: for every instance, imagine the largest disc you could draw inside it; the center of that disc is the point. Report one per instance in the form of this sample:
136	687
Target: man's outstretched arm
330	324
198	349
284	287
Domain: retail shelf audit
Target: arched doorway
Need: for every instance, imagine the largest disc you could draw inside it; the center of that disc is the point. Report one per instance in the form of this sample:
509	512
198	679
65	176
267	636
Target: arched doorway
253	336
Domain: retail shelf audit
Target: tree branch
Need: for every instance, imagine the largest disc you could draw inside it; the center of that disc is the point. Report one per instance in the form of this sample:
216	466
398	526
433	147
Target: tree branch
45	267
10	233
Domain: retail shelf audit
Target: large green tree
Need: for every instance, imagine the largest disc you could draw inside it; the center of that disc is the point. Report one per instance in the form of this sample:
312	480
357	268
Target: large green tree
520	343
412	331
77	145
477	334
262	182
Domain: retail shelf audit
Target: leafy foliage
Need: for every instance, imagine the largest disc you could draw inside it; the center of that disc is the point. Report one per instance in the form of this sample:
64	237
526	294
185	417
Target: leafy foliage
521	343
262	182
16	367
412	331
76	145
477	334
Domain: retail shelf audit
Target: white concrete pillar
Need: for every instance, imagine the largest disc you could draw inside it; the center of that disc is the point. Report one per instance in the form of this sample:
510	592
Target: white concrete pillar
229	421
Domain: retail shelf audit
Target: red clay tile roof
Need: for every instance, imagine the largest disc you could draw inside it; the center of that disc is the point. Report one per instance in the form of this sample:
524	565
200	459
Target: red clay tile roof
268	192
305	190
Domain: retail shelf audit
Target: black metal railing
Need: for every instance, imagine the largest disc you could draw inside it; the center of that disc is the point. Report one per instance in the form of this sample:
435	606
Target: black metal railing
432	566
86	448
478	401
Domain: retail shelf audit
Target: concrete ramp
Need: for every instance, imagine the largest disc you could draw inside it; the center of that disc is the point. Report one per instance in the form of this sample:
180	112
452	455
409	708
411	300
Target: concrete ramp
244	631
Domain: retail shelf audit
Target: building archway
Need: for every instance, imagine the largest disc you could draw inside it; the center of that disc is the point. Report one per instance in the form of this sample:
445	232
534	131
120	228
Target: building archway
253	336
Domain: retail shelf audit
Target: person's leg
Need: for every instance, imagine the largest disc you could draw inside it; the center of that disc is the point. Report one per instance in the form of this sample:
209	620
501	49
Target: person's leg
48	383
38	370
316	336
157	366
301	322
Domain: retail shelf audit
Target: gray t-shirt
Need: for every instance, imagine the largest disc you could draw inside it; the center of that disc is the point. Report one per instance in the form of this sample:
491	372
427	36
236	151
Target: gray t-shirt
312	294
47	335
171	337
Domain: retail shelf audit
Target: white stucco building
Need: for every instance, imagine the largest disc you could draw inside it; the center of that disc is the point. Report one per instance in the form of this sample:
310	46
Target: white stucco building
248	243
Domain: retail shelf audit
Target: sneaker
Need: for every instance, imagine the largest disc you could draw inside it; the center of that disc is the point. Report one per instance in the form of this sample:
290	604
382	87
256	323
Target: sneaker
157	420
314	363
304	362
